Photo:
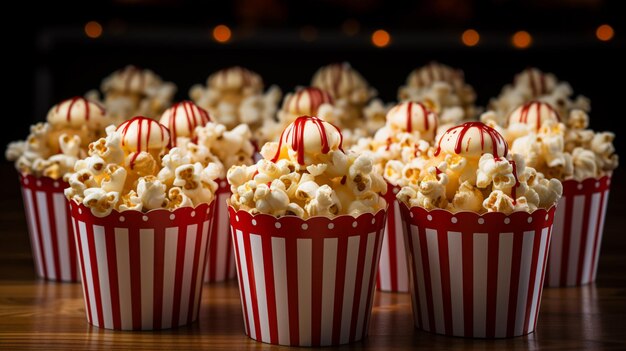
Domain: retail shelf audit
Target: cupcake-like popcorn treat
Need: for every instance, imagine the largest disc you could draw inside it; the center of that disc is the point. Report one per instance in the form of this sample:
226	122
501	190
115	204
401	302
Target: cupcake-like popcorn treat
134	91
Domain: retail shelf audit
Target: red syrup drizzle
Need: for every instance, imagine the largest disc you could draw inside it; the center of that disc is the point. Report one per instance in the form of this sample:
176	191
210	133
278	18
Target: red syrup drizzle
73	102
193	120
389	142
128	74
297	141
335	76
538	104
484	129
139	120
317	97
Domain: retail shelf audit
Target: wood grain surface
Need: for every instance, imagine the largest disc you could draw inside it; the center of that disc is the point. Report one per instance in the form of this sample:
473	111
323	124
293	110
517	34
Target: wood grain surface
35	314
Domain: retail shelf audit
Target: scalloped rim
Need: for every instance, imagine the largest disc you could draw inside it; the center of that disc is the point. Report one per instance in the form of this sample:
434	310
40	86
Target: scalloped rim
585	186
45	183
314	218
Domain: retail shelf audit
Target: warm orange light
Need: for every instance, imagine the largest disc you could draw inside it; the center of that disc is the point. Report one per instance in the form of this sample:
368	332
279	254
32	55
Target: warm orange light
381	38
351	27
221	33
522	39
470	37
605	32
93	29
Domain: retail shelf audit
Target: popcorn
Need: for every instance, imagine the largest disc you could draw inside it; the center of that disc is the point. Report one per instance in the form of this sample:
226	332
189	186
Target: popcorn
99	201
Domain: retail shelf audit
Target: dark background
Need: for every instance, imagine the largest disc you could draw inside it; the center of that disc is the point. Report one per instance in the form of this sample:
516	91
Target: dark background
50	58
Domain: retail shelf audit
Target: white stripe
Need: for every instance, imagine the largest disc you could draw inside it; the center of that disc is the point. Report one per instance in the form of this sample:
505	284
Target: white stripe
591	234
384	267
32	228
246	284
381	232
556	247
222	237
89	274
256	246
403	272
80	270
241	293
574	243
122	254
432	243
305	277
455	255
600	233
365	284
505	253
103	275
190	246
279	258
46	233
63	234
202	259
146	256
534	308
480	253
524	277
328	289
352	257
169	273
419	270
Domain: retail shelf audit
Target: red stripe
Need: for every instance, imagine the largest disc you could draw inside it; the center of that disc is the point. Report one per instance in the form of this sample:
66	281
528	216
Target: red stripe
543	274
268	265
42	252
393	255
370	295
228	267
583	239
533	273
83	264
252	283
518	240
159	269
567	230
212	261
178	275
493	248
467	244
109	237
72	244
54	236
134	252
291	253
340	274
241	287
358	285
194	270
444	262
427	279
317	271
94	274
413	274
596	239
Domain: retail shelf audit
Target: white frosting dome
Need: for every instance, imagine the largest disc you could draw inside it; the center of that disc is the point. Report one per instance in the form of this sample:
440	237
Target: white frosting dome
533	114
235	78
472	140
413	116
538	82
306	101
144	134
76	112
131	79
338	79
182	119
434	72
309	136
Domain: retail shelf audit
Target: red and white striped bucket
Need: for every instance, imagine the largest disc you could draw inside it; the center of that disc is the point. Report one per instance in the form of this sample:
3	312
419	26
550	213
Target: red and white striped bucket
393	274
142	271
50	228
577	234
221	258
477	276
306	282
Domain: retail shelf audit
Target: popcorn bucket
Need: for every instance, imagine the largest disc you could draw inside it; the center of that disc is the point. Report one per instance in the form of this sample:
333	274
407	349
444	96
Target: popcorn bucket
142	271
306	282
50	228
577	234
477	276
221	259
393	273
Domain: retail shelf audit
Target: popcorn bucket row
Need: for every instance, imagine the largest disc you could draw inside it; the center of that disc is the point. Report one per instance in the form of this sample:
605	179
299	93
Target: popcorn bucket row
50	228
577	234
393	275
306	282
221	259
142	271
477	275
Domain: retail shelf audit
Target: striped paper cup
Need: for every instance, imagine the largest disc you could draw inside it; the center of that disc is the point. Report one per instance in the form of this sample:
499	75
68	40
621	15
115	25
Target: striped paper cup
306	282
393	275
476	275
221	258
50	228
142	271
577	234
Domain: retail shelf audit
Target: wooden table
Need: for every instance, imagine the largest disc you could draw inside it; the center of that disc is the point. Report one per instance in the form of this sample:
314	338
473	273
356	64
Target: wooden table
36	314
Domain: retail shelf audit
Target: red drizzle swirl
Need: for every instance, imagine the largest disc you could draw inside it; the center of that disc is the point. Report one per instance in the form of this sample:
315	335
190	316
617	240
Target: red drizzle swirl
296	131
